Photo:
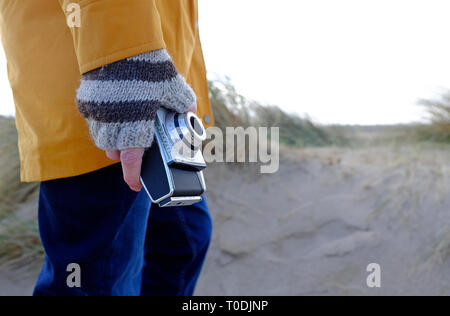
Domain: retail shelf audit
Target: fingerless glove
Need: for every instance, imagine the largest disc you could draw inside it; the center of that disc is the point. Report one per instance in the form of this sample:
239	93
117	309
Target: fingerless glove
120	100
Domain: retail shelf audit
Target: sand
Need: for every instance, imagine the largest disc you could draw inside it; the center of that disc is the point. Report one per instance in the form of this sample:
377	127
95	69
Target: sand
314	227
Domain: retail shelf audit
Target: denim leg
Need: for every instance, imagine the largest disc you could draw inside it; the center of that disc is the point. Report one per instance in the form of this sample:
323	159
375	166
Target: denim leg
97	222
176	245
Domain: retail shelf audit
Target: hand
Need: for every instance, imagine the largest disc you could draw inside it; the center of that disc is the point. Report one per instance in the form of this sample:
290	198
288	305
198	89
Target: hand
114	120
131	160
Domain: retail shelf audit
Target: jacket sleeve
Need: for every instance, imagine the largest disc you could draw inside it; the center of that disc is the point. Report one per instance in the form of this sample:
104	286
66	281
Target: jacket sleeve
112	30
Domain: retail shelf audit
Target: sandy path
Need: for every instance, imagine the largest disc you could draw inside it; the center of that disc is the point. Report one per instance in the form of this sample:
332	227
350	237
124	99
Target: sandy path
313	227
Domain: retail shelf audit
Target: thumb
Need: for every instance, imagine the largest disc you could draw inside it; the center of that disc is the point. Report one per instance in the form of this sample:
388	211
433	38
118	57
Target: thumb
131	165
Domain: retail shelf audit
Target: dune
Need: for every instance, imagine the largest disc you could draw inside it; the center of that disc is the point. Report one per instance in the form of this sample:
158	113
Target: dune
315	226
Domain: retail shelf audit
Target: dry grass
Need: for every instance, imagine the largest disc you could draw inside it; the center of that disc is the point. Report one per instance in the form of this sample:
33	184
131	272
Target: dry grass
439	116
12	191
19	238
20	244
232	109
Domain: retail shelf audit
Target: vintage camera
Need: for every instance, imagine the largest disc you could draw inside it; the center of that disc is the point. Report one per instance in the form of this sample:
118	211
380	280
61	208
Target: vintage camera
172	169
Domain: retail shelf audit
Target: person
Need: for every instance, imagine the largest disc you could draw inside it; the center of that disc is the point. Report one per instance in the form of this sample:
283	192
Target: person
87	79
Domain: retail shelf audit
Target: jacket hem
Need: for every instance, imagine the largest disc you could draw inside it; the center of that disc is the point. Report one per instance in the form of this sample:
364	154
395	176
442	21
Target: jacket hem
121	54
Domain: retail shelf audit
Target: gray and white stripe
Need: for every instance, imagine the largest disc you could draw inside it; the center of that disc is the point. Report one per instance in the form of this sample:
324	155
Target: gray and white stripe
174	93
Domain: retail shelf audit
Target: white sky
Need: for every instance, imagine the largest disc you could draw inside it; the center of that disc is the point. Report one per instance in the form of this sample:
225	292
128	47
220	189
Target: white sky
346	61
6	98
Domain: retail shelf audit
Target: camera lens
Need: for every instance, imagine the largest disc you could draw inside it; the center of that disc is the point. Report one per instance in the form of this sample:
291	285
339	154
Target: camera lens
186	130
196	126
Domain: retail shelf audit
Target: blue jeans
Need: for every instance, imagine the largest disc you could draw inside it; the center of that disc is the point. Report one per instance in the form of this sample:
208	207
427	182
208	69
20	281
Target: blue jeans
122	244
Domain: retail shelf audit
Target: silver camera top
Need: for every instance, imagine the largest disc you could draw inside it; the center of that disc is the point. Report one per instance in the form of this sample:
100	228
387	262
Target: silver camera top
181	137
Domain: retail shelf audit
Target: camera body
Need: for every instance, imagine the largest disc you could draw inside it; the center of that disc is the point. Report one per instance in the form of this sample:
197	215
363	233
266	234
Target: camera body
172	169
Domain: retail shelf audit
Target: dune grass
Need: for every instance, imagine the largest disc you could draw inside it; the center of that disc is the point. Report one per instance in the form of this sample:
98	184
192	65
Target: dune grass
19	238
12	191
439	116
232	109
20	244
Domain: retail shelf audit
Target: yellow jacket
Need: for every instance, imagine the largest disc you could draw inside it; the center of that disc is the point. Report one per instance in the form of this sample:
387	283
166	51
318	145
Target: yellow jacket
46	58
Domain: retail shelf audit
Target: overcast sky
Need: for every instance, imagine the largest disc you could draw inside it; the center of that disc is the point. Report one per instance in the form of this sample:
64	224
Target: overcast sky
346	61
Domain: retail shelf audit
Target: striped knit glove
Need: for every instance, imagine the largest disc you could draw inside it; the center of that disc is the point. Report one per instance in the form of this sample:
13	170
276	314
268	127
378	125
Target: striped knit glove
120	100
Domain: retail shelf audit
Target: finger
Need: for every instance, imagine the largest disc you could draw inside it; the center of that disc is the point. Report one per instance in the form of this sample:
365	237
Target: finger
131	165
113	154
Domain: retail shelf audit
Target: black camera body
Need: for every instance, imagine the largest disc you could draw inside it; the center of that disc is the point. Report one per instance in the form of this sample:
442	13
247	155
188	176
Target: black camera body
172	169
